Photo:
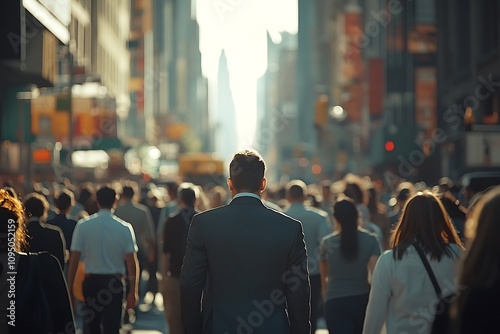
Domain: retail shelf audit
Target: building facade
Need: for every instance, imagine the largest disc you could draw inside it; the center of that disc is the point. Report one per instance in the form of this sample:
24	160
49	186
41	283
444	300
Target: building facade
469	75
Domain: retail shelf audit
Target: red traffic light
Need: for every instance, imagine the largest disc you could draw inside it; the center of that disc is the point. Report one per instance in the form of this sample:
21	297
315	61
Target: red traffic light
389	146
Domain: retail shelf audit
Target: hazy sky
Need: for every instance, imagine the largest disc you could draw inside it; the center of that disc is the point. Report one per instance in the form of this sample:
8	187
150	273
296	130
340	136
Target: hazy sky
240	28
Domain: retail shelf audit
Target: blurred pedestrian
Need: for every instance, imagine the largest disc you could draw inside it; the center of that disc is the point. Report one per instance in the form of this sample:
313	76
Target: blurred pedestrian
87	198
139	216
346	256
106	246
217	197
326	197
155	204
453	205
378	214
355	189
174	248
41	296
42	236
169	208
63	201
403	192
402	293
477	305
316	225
245	264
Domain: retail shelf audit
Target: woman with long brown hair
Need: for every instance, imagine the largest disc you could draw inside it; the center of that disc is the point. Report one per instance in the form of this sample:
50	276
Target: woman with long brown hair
402	294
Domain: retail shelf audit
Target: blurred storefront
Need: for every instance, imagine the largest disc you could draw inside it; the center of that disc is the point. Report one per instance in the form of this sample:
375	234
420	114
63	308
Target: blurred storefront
32	33
64	81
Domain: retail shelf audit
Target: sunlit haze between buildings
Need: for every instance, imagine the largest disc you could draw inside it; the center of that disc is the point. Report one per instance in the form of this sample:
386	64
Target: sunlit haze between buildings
239	30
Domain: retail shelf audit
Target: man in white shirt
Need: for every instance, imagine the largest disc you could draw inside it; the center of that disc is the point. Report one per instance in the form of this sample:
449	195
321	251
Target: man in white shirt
105	244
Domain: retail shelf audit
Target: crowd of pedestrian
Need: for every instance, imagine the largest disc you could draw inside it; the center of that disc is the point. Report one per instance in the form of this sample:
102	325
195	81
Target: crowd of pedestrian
413	259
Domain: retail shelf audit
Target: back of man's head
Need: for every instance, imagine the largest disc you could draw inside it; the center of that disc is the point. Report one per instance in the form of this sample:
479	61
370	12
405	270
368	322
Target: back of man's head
246	171
106	197
296	190
64	200
172	187
36	205
129	190
187	194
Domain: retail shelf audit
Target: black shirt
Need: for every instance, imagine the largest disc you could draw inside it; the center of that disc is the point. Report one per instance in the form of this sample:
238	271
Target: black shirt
174	238
66	225
43	237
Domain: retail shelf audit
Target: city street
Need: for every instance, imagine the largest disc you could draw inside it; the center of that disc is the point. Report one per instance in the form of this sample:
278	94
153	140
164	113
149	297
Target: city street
151	319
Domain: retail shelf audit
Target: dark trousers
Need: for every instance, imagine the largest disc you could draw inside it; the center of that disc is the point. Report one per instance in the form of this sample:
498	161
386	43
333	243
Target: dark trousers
104	296
315	300
153	280
346	315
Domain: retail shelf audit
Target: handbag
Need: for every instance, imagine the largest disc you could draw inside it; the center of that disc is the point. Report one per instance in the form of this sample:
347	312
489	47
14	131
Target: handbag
442	320
78	282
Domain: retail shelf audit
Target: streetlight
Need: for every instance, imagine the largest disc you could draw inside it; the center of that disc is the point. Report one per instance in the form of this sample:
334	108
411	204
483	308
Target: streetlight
338	113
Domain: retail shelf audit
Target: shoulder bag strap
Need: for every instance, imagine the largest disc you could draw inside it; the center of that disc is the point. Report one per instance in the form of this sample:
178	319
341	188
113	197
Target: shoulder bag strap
429	269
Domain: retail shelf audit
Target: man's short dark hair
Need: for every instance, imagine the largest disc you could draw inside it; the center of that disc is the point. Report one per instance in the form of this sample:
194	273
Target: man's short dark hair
106	197
246	171
296	189
36	205
64	200
187	193
128	192
130	188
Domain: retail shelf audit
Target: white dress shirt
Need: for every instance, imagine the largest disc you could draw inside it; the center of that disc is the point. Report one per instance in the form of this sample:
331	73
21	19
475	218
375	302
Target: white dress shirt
103	240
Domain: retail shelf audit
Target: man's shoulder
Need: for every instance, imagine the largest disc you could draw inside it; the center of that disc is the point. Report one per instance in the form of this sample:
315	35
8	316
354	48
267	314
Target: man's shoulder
225	209
316	212
127	207
96	220
174	217
140	207
61	220
210	213
307	212
121	223
174	212
283	219
367	235
50	229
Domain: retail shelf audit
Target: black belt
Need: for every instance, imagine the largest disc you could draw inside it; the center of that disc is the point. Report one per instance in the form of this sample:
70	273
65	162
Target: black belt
104	275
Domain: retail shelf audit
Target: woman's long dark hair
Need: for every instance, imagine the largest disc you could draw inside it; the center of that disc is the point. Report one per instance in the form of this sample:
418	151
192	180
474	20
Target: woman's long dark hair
346	214
424	220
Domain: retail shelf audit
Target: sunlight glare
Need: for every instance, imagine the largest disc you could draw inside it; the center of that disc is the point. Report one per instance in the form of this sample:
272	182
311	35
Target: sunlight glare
240	28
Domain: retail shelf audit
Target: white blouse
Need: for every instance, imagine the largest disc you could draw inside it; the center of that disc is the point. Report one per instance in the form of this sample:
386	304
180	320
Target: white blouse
402	295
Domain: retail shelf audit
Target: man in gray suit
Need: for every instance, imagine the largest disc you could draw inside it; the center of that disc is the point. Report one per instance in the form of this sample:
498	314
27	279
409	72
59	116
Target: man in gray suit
245	268
316	225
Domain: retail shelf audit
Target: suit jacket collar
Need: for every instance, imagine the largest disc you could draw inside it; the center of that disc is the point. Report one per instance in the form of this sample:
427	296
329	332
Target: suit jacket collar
246	200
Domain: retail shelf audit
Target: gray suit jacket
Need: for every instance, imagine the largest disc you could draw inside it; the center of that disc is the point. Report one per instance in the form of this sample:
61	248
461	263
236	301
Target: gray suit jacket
248	265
